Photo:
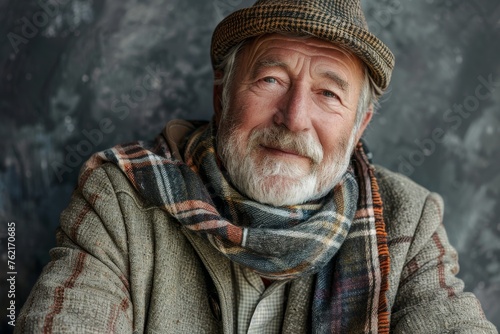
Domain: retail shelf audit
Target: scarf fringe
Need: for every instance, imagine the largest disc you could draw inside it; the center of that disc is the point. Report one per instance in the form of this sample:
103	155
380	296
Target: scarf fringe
383	251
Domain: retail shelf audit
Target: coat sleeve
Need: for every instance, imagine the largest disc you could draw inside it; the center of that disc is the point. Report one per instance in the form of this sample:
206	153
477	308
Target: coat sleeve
430	298
84	288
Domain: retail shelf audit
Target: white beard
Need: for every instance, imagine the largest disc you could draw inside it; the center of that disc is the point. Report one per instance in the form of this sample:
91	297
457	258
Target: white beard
276	181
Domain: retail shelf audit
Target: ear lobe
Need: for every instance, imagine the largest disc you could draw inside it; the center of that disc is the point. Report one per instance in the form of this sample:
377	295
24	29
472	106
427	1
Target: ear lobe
364	123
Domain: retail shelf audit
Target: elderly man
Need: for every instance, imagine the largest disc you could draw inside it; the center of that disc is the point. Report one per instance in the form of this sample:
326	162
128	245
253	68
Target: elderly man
268	219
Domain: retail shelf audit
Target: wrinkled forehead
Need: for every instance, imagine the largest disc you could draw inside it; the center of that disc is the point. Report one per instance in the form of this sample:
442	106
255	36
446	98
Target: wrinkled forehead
270	45
320	58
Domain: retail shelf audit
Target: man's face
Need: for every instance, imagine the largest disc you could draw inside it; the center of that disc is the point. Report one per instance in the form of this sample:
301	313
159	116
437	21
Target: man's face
289	128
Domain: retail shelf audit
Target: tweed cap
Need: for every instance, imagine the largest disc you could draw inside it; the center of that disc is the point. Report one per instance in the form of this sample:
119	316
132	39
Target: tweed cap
341	22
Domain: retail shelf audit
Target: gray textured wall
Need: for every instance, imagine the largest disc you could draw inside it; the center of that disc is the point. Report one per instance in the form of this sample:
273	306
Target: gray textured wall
67	78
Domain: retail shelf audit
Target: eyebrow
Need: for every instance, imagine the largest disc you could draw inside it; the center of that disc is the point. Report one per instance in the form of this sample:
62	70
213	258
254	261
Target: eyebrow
332	76
267	63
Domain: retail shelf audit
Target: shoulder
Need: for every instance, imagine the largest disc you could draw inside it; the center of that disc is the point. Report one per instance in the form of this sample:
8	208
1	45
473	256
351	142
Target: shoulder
407	205
103	201
398	190
105	181
95	173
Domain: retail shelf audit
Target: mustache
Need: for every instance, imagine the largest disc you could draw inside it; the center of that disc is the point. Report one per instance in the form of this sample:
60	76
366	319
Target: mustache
281	138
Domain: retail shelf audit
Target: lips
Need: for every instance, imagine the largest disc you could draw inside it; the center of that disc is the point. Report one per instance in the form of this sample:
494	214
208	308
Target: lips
284	151
281	142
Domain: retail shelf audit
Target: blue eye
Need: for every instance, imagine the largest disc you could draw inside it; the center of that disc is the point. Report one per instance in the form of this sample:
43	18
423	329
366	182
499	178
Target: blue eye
330	94
270	80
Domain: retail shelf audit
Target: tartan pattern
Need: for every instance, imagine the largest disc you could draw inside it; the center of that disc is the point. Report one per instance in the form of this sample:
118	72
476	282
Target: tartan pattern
121	266
338	21
295	241
367	236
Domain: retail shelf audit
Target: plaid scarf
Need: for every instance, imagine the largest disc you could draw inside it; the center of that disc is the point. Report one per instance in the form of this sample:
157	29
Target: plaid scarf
340	238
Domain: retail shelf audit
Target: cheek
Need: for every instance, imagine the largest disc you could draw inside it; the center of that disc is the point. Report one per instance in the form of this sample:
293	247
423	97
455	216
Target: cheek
251	115
334	136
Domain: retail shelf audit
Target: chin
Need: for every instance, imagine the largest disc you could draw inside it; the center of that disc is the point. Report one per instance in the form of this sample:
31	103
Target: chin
281	190
282	184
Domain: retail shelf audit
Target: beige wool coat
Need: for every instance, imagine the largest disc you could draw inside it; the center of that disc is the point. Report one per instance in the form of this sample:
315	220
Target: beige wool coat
123	266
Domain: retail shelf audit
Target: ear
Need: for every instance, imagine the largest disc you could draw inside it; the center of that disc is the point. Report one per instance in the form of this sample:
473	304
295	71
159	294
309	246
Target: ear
217	98
364	123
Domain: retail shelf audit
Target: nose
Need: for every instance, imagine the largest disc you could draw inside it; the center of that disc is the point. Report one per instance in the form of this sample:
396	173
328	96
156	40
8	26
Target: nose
294	110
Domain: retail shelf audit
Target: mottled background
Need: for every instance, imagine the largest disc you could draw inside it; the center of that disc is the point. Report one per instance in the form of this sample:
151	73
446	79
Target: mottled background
74	79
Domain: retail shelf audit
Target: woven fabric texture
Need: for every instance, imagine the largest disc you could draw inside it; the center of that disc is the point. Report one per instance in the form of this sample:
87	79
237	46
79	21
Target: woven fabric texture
134	270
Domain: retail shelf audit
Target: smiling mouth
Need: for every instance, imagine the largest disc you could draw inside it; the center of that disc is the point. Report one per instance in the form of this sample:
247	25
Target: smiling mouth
284	152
